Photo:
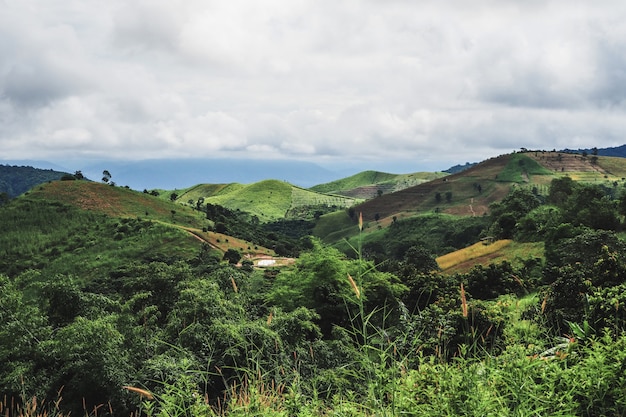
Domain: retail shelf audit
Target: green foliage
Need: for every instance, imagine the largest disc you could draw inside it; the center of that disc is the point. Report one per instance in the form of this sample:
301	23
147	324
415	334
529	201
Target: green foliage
96	303
23	329
589	205
89	360
538	223
61	239
318	282
519	166
280	234
232	256
493	281
506	213
438	234
16	180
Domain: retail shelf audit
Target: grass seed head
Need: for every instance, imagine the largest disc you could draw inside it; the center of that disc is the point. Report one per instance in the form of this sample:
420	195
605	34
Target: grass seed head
355	288
142	392
463	301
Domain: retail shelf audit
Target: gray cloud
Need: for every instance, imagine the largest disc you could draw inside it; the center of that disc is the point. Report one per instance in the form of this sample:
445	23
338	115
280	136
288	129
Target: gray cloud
370	81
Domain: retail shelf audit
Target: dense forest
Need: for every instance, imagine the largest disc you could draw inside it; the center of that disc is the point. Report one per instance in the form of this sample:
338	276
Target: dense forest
110	315
15	180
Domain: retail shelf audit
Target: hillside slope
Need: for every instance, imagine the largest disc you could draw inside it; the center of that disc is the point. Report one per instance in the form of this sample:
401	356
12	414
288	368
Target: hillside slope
471	191
122	203
369	184
269	200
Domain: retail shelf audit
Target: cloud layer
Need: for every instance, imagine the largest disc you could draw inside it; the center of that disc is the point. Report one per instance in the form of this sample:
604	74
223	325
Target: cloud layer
386	83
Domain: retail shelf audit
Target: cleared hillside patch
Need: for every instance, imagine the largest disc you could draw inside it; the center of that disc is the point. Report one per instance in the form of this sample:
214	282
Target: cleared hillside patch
354	181
116	202
484	253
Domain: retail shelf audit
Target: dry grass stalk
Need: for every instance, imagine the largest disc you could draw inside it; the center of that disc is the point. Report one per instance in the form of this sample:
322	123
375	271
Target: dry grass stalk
355	288
142	392
270	317
29	408
463	302
232	280
361	221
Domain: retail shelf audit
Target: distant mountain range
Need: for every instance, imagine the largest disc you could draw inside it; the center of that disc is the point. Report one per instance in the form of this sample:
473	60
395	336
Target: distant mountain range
16	180
618	151
172	174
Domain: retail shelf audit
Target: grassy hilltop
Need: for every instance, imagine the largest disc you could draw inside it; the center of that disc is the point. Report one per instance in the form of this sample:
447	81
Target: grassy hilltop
268	200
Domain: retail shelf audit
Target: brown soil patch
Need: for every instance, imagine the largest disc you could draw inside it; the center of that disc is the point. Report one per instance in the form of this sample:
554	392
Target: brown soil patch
421	198
566	162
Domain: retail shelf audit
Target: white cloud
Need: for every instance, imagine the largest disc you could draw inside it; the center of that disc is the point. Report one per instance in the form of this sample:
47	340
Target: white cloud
322	80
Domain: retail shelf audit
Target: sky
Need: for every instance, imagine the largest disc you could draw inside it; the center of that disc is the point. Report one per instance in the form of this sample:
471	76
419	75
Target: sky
397	85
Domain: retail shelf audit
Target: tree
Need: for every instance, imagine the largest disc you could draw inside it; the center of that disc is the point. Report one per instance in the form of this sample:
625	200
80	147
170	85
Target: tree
91	363
106	176
232	256
79	175
199	203
590	206
560	190
510	210
173	197
318	282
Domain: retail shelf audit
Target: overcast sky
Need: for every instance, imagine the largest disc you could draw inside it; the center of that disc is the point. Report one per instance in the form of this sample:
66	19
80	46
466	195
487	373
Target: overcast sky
399	84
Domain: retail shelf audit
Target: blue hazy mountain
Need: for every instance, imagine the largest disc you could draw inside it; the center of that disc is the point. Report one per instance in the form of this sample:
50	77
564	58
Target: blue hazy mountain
171	174
618	151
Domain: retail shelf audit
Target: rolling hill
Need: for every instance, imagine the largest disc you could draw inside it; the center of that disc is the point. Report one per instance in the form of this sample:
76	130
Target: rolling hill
465	193
187	227
369	184
471	191
269	200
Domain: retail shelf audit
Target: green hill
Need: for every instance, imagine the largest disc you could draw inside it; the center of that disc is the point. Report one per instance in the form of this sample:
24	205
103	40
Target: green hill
269	200
369	184
471	191
107	226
